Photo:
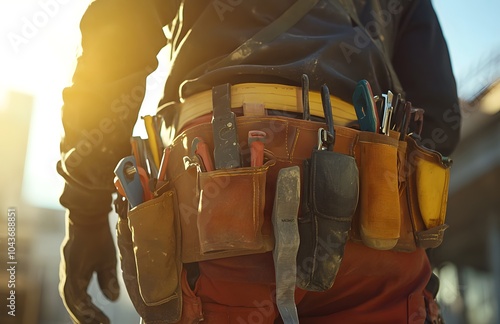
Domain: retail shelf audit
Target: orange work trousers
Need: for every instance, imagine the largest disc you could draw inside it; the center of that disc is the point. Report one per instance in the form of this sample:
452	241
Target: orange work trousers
371	287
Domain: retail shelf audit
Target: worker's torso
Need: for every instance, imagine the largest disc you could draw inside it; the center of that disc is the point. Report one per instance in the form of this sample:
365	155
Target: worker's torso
326	44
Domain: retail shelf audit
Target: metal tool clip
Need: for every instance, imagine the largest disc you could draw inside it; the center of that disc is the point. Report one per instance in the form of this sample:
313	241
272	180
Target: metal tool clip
326	140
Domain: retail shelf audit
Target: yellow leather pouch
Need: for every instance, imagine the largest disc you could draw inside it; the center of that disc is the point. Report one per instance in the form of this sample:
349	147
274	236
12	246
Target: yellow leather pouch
428	174
379	217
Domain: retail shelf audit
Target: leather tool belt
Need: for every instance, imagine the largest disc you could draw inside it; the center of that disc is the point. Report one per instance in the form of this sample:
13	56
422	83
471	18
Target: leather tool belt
408	180
200	215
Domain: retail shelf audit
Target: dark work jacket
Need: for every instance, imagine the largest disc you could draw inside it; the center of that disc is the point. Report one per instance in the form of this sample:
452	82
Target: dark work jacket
121	39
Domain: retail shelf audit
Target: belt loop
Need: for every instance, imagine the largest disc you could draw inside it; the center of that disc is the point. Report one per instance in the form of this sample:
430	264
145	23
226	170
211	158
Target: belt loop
254	109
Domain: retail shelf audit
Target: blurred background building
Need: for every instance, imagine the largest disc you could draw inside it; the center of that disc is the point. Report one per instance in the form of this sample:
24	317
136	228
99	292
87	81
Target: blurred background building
39	230
468	261
34	72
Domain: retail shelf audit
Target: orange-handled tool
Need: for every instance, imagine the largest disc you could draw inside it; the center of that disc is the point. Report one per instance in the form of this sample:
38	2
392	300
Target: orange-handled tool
200	148
256	140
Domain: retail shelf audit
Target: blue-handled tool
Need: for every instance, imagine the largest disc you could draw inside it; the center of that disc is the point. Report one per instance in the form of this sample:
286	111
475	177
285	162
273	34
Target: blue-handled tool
365	107
127	173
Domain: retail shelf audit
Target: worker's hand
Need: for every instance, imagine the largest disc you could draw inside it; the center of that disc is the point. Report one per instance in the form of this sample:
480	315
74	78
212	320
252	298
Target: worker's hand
87	249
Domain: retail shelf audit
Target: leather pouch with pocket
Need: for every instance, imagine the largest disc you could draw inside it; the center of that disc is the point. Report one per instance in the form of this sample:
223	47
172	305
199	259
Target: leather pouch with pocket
329	200
151	263
428	175
379	213
231	209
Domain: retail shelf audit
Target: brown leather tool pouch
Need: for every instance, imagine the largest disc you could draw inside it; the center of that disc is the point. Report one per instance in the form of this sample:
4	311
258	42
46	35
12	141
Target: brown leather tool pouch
231	209
329	200
428	175
150	257
223	194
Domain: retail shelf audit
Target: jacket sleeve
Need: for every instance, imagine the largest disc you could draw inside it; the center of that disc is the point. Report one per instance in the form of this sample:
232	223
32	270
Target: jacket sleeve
422	62
120	41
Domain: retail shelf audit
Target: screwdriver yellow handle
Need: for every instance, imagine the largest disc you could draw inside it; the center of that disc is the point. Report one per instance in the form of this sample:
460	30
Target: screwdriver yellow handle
152	139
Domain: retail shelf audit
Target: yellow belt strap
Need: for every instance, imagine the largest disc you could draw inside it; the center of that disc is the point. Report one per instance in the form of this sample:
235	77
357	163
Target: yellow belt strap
272	96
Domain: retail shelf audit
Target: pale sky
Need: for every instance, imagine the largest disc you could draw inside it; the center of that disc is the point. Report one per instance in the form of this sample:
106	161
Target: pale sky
39	41
472	31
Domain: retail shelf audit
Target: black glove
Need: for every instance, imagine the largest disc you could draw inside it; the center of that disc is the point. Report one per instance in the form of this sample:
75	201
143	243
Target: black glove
87	248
